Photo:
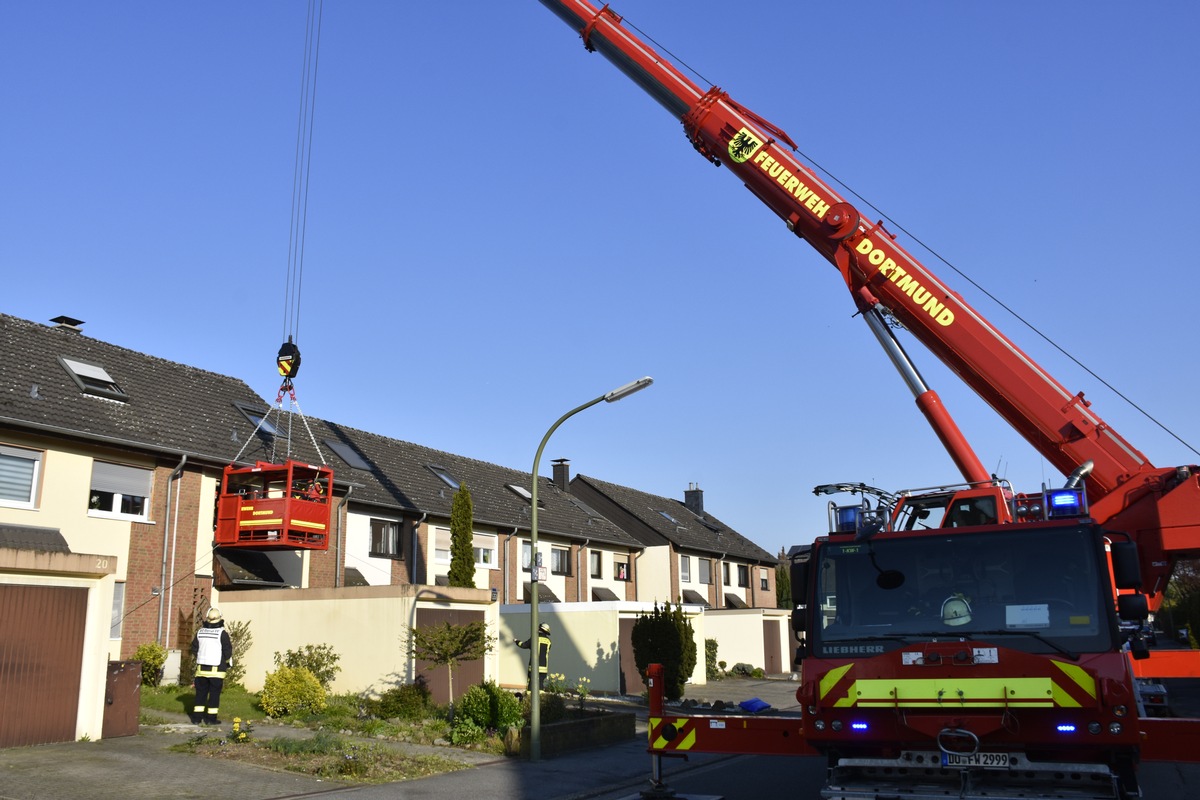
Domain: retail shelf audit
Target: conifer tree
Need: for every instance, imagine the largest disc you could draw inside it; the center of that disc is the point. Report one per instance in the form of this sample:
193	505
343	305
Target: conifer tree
462	540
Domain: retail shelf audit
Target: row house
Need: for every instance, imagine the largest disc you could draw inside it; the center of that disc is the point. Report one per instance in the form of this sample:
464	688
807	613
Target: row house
688	556
111	464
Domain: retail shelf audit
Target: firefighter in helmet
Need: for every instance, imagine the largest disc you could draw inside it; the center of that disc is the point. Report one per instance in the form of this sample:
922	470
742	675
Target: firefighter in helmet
956	610
543	654
213	651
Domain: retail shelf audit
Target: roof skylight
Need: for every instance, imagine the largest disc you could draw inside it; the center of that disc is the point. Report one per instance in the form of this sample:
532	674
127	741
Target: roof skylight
444	474
93	379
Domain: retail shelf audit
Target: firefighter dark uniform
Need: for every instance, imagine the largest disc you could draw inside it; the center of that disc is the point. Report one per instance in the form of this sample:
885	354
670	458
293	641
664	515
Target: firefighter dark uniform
543	645
213	650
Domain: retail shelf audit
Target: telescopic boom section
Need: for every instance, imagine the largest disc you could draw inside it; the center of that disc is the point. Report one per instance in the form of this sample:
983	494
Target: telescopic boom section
880	274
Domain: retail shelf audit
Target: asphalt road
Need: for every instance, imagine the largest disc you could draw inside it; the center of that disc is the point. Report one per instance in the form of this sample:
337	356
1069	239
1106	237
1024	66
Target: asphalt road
755	777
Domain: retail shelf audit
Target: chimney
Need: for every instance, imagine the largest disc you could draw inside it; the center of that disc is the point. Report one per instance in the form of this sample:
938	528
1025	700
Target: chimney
68	323
562	474
693	498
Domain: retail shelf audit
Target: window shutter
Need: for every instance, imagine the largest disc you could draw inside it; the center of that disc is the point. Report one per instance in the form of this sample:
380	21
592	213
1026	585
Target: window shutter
129	481
16	473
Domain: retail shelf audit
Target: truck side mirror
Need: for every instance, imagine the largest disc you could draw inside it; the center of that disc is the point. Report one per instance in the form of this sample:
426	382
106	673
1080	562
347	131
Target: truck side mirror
1126	566
799	556
1133	607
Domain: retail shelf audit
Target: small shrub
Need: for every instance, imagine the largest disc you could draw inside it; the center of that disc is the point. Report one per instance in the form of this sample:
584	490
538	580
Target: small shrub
187	669
506	708
551	709
476	706
153	656
319	659
291	690
408	701
239	634
712	668
466	730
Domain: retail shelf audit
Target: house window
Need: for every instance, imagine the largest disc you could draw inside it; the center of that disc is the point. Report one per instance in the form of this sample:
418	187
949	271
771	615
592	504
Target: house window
725	572
526	555
119	490
560	561
705	570
621	568
441	545
743	572
685	569
118	611
385	537
19	469
763	580
595	564
485	551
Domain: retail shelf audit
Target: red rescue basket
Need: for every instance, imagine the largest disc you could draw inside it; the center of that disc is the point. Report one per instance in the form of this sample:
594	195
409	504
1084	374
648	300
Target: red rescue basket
275	506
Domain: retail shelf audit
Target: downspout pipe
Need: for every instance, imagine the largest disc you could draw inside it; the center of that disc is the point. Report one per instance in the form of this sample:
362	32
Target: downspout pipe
339	578
167	526
579	570
507	542
416	536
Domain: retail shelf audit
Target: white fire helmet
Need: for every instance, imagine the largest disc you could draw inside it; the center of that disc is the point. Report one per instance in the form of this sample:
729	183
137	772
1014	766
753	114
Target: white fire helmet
956	610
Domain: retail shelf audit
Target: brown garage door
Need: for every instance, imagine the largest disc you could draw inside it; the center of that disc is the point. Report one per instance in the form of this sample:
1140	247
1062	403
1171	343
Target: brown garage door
467	673
41	654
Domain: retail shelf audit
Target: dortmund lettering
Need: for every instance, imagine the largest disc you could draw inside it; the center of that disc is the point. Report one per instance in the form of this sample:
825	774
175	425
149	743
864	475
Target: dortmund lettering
922	297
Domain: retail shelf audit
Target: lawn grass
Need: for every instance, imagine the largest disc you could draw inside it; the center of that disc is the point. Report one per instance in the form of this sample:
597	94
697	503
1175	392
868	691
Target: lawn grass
343	713
235	701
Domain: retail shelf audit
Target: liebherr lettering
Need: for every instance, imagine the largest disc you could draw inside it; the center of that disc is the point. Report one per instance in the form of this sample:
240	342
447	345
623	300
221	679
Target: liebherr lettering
921	297
791	184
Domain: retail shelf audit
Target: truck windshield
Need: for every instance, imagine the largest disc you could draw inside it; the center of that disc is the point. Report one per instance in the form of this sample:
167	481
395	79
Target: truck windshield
1040	591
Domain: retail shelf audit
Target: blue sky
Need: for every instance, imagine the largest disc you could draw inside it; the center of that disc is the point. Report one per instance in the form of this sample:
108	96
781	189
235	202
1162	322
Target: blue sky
501	226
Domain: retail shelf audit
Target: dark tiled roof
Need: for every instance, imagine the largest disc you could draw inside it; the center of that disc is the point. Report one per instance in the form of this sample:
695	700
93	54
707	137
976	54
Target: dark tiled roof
25	537
401	477
675	522
174	409
692	596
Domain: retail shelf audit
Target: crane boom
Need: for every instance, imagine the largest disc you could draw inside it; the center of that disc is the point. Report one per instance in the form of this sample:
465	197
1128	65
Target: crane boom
1160	507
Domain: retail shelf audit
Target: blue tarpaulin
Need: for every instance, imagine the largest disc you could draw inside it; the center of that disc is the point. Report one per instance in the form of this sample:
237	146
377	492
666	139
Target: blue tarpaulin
754	705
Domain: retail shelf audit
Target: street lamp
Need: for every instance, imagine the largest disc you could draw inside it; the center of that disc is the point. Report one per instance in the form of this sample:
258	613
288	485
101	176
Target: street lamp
535	706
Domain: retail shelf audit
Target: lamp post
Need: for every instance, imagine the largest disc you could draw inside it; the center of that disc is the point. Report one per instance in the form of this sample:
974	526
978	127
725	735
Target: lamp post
535	706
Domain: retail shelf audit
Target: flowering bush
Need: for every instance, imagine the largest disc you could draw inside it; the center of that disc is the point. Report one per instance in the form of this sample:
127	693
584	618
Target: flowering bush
583	688
240	733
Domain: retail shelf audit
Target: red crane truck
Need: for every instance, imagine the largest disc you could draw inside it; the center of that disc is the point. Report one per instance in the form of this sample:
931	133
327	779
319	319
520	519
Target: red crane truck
959	640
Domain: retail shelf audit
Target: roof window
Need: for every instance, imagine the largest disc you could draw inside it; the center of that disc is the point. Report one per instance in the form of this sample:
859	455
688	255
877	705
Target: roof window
93	379
257	418
347	454
444	474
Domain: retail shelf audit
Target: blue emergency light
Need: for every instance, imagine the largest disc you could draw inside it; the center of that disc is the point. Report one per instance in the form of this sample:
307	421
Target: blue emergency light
1064	503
